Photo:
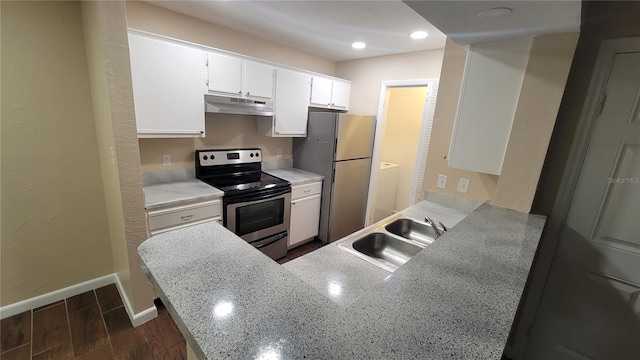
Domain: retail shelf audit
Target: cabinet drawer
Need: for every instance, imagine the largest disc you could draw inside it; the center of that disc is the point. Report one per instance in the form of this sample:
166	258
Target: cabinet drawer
301	191
186	214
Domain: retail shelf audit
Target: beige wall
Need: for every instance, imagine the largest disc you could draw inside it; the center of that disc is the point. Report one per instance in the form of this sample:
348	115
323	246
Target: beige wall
110	74
154	19
535	117
482	187
367	75
54	224
542	89
223	132
403	123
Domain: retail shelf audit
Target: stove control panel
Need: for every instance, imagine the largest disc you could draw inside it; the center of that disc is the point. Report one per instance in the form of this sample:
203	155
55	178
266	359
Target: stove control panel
228	157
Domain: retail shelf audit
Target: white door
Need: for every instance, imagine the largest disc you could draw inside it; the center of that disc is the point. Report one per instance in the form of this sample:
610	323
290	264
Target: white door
340	91
321	91
590	306
258	80
168	82
292	102
305	219
225	74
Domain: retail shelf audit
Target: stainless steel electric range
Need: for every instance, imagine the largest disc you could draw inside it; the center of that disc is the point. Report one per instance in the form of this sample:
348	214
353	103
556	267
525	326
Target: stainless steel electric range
256	205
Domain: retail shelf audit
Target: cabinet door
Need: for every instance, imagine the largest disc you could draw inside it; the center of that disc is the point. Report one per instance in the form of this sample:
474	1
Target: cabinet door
483	122
321	91
292	103
258	80
340	94
305	219
225	74
168	85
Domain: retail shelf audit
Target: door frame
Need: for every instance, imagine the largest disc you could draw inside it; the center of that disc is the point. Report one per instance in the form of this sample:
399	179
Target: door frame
550	239
425	131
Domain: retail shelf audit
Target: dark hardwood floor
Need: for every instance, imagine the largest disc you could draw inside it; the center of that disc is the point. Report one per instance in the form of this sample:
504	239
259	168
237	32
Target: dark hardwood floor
300	250
89	326
95	326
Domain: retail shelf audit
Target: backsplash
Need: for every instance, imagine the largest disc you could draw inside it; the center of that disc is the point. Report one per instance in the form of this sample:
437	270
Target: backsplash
223	131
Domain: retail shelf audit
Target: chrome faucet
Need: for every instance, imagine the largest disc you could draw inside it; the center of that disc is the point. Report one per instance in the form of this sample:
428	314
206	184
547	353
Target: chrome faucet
435	228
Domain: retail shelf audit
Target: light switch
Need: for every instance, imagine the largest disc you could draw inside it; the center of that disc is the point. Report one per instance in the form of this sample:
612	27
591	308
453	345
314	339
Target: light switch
279	152
166	159
442	181
463	185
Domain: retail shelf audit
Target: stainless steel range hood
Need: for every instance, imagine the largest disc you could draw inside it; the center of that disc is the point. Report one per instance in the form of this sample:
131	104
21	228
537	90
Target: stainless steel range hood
227	105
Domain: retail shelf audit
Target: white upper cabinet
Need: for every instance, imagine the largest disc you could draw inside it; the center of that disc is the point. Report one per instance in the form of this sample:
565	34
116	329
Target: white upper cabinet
235	77
489	96
258	80
330	93
291	106
168	85
225	74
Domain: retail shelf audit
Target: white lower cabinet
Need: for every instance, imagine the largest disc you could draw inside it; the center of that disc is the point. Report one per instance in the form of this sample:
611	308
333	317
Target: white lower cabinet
176	217
305	213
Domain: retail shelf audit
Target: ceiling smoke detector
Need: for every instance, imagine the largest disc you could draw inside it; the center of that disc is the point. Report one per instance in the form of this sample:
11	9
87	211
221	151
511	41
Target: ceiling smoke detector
495	12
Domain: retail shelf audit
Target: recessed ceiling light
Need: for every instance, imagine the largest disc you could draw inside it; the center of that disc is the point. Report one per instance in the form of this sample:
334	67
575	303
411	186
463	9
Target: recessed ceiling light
358	45
495	12
419	35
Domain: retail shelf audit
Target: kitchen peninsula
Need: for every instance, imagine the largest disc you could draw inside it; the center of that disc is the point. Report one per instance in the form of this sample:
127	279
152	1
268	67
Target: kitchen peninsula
456	298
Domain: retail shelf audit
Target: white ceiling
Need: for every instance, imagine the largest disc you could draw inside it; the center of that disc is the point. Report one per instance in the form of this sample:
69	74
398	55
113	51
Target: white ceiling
327	28
460	20
323	28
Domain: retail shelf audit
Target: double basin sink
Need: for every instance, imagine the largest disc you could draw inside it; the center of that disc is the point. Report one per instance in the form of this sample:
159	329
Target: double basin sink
390	244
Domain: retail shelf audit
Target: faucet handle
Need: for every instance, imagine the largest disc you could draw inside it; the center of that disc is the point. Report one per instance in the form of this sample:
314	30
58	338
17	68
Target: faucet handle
444	228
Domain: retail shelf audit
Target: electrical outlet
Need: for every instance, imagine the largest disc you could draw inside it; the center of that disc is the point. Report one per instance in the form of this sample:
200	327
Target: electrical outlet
463	185
166	159
442	181
279	152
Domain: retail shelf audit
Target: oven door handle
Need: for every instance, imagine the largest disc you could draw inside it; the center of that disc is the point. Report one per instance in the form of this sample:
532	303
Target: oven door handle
268	241
253	197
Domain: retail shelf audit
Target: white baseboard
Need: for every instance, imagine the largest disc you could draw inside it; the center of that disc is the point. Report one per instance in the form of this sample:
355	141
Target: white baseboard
139	318
77	289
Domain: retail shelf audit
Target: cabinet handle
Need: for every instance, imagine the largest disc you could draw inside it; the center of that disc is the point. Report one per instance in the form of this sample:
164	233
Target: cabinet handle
186	217
307	191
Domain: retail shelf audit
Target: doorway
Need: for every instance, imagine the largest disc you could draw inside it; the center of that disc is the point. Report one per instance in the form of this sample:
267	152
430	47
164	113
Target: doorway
403	130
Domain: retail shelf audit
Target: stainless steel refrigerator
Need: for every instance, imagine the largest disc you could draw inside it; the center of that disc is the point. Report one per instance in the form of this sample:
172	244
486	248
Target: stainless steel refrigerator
339	147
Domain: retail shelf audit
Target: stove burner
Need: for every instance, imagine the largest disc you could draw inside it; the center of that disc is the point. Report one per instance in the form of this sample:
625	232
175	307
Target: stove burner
235	171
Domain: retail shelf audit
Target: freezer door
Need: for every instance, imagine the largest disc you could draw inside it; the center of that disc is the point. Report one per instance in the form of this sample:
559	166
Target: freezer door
349	197
354	137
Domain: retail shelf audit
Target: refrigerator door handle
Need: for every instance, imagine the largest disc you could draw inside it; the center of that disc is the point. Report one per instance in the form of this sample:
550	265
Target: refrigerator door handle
333	176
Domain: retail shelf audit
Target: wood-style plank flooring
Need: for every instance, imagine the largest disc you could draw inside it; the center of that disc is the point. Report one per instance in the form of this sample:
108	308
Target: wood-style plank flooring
300	250
92	325
95	326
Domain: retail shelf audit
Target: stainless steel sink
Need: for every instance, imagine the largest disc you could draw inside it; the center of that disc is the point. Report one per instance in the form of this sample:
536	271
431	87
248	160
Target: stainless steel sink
413	230
389	243
386	248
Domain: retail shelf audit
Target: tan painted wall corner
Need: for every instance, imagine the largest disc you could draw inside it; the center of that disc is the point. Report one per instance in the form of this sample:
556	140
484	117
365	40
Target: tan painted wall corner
536	113
107	49
54	227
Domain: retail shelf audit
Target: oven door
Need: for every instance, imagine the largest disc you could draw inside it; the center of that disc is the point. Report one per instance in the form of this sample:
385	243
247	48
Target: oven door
258	215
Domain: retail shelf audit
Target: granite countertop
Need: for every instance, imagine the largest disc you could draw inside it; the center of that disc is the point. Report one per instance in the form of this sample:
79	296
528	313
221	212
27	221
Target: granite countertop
180	192
296	176
333	273
456	299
